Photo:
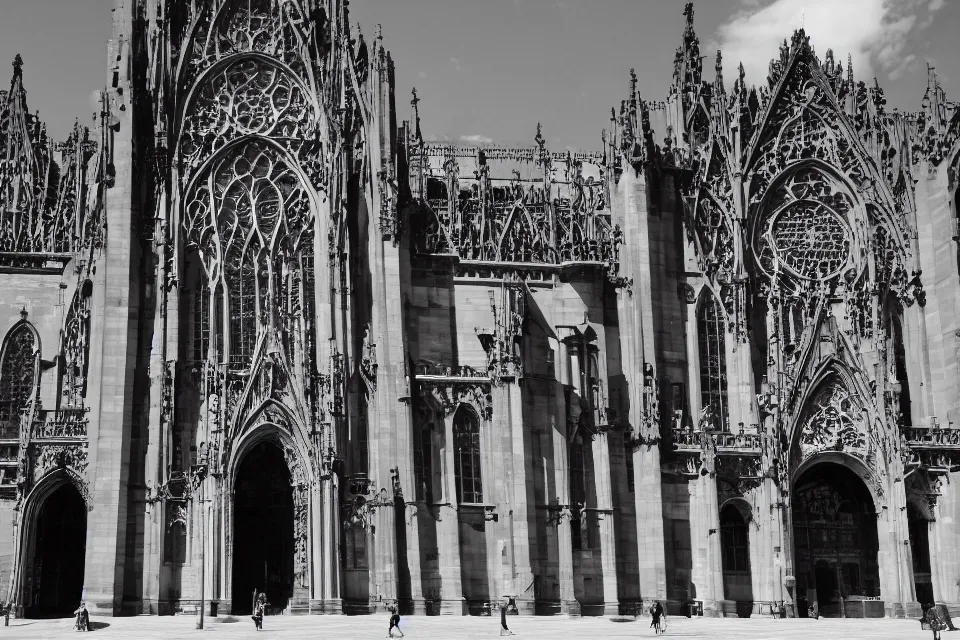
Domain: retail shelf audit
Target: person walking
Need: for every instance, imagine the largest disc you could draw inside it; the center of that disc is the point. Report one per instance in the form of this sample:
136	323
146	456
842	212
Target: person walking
259	607
935	621
504	629
394	622
82	618
656	612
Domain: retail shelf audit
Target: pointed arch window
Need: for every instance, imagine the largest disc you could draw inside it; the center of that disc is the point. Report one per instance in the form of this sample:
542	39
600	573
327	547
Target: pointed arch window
423	463
713	360
255	206
897	364
735	540
18	377
466	437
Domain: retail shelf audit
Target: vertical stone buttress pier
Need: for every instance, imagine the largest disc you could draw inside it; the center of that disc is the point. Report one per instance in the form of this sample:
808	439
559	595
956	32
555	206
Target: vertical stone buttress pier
939	343
638	349
391	424
113	349
448	529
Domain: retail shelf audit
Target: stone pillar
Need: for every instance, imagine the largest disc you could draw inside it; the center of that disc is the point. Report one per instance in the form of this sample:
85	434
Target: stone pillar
448	530
392	423
568	601
113	352
516	577
764	536
604	508
639	349
327	534
706	573
648	502
944	546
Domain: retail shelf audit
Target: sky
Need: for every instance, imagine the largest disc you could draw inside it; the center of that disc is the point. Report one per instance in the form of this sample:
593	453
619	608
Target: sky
490	70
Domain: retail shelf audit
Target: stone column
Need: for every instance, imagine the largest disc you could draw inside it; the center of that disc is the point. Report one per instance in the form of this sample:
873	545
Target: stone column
706	573
638	349
608	540
516	576
113	353
568	601
392	423
448	529
944	546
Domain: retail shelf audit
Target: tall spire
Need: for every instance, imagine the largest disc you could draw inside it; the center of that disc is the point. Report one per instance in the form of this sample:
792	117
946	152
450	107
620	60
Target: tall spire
18	161
718	80
691	48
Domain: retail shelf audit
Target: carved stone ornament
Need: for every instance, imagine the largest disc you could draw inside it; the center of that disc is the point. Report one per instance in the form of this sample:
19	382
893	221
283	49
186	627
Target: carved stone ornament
449	394
833	422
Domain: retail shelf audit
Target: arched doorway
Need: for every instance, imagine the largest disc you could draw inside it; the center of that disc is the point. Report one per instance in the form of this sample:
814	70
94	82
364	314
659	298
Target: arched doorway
835	537
735	553
262	529
55	572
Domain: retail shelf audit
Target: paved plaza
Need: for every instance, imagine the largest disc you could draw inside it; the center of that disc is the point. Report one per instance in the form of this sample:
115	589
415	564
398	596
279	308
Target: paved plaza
471	628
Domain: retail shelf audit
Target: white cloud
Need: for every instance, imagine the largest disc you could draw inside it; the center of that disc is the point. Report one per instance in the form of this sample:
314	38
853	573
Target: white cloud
875	33
457	64
476	138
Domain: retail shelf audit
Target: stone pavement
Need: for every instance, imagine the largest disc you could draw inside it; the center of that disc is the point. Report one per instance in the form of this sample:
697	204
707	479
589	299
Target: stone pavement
475	628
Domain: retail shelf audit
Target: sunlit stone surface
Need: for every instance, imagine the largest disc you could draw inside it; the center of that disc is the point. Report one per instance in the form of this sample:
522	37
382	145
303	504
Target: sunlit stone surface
259	336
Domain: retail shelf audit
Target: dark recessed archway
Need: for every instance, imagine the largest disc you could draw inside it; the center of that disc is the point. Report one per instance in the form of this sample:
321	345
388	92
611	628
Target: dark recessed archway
919	527
835	538
55	576
735	556
262	529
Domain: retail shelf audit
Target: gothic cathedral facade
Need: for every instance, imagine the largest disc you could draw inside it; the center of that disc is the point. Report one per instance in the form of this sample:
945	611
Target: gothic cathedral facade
258	335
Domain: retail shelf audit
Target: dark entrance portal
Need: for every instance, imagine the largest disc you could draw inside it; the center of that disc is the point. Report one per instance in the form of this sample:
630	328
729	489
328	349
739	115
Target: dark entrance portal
59	552
835	532
262	530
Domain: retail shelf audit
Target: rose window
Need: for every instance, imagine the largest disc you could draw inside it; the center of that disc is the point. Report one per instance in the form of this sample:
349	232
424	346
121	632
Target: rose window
811	239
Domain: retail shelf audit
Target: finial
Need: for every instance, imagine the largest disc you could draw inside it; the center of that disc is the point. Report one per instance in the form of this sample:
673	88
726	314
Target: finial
688	12
17	66
539	137
378	32
718	67
633	84
23	310
415	102
850	68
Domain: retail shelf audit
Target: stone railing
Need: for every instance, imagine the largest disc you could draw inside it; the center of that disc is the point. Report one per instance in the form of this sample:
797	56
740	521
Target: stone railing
723	441
738	441
428	368
686	441
924	437
60	423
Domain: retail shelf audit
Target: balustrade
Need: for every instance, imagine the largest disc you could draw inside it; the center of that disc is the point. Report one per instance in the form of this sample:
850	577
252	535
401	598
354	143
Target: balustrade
923	437
738	441
692	440
427	368
60	423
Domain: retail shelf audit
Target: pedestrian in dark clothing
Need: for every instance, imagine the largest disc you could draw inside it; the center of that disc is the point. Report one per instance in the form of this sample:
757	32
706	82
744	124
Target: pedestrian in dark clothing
82	622
656	612
394	622
259	606
504	629
934	620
